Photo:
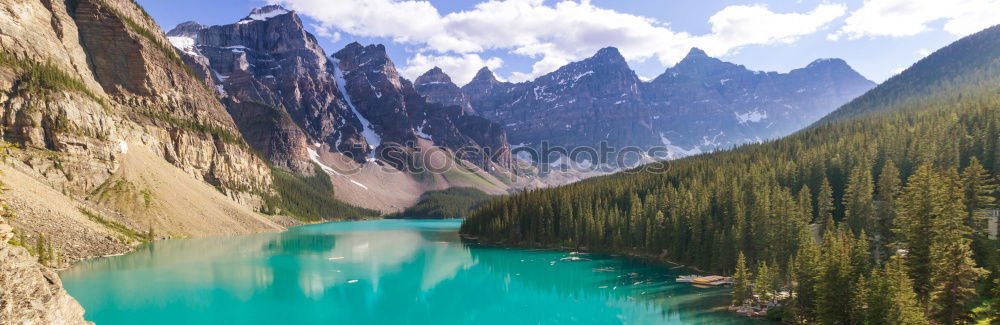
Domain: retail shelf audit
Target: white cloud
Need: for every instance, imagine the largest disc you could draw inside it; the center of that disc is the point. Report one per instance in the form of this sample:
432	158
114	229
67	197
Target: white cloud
461	69
898	18
324	31
556	33
736	26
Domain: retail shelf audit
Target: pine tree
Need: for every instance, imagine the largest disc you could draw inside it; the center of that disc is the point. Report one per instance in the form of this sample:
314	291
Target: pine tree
979	189
885	196
40	249
859	300
834	287
741	282
804	201
954	272
858	208
805	270
824	207
892	300
955	276
913	226
765	282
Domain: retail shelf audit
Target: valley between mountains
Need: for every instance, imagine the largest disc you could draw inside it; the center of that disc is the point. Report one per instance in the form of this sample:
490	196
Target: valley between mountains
116	133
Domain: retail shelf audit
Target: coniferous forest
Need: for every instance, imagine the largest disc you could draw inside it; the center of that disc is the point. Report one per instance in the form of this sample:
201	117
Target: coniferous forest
872	216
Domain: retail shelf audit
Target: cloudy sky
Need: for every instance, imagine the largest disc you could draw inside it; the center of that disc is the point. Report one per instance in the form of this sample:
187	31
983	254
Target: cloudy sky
522	39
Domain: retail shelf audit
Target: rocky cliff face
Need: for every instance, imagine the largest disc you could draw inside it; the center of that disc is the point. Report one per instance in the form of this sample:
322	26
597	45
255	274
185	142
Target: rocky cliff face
438	88
81	78
29	292
701	104
401	114
278	83
106	134
288	97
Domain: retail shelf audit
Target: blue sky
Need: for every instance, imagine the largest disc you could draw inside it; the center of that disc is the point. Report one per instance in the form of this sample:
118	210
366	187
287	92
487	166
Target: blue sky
521	39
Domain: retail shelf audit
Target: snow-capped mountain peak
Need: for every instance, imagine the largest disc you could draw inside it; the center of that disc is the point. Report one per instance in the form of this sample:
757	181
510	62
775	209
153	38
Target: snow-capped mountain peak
266	12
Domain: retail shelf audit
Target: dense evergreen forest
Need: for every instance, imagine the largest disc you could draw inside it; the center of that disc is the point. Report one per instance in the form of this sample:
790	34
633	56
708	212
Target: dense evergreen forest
872	216
309	198
451	203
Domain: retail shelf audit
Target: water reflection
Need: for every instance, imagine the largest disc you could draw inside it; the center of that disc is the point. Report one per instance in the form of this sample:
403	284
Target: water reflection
375	273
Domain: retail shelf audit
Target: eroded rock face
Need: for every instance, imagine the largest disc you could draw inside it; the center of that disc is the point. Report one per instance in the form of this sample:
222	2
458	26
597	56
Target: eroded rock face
402	114
438	88
29	292
129	87
354	101
268	60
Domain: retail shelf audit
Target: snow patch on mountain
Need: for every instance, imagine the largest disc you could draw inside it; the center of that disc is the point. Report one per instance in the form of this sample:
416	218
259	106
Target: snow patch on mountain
265	13
183	43
314	156
420	131
675	152
753	116
373	139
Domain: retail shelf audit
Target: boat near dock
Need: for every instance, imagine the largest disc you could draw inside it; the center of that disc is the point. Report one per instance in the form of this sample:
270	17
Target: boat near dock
705	281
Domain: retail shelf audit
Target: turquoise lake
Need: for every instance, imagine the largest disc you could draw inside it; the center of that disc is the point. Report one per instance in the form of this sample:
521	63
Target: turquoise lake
380	272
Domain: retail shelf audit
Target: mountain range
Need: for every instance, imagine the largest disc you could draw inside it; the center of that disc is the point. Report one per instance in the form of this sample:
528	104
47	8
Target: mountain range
347	112
287	97
699	105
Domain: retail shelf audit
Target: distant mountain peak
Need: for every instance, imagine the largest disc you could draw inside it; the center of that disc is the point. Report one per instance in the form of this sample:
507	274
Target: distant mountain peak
696	53
266	12
835	62
609	55
375	54
433	76
484	74
186	29
609	51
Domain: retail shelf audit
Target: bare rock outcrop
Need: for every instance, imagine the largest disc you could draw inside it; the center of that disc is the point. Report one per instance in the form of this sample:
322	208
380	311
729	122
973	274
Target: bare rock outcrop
29	292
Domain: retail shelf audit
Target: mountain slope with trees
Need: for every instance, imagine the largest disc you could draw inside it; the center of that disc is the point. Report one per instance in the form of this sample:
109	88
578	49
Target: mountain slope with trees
451	203
877	212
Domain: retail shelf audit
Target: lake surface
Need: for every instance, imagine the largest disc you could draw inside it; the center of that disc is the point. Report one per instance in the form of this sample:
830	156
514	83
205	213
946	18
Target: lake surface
380	272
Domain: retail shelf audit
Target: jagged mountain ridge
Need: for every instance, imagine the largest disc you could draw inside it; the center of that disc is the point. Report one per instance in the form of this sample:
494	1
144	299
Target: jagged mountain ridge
580	104
350	113
353	101
700	104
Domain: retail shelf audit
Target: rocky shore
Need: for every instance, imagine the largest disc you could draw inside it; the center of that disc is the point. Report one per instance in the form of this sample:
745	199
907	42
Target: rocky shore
29	292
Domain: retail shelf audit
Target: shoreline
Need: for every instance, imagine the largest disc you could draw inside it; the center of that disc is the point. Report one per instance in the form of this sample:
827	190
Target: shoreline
133	247
647	258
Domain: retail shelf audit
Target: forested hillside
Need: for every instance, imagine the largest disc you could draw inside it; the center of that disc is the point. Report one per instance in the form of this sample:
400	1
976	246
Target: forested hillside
864	220
969	62
447	204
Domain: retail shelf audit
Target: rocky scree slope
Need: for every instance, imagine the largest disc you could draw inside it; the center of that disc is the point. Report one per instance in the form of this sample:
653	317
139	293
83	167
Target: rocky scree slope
29	292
